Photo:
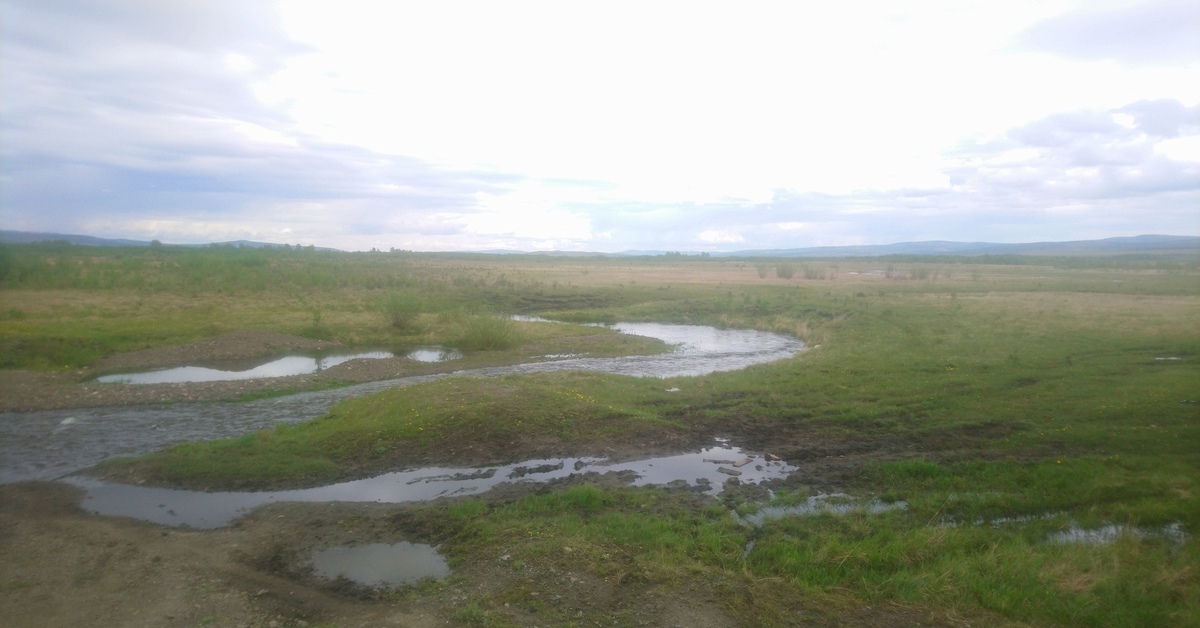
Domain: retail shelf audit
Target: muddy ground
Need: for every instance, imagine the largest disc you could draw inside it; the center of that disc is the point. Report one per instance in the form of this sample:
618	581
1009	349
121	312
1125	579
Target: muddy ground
60	566
22	391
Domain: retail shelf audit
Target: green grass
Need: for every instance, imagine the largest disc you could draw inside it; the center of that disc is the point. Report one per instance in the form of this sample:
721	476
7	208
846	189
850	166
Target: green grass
477	418
489	332
1012	571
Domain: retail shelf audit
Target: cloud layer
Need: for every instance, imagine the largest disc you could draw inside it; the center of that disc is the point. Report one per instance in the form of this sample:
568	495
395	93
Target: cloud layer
615	127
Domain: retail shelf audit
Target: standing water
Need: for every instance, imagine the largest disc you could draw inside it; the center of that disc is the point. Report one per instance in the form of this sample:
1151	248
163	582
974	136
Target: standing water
380	564
706	471
51	444
283	367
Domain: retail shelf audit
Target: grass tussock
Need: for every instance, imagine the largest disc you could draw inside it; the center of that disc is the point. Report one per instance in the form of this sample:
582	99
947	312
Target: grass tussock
489	332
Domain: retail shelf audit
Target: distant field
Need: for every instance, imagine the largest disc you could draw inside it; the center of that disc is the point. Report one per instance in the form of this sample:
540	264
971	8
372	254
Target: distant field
1002	404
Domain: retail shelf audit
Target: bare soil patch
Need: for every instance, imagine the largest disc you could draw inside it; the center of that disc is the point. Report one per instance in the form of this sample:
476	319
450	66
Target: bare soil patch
60	566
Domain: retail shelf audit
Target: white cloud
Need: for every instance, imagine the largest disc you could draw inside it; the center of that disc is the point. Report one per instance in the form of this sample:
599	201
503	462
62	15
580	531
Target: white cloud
1180	149
718	236
617	125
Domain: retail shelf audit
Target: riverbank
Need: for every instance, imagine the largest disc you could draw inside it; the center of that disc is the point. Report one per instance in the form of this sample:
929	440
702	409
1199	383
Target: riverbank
29	391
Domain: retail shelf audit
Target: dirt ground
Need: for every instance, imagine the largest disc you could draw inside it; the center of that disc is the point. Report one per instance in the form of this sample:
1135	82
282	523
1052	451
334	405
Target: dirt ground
61	566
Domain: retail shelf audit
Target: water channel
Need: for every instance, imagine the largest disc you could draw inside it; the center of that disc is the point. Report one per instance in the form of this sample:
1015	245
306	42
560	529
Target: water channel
707	470
53	444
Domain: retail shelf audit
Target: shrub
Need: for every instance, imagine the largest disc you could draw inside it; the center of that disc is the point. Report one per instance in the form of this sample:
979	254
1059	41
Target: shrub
402	309
490	332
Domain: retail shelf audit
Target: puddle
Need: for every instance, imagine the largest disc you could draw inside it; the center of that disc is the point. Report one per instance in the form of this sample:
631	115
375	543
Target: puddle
834	504
706	471
434	354
1171	533
283	367
379	564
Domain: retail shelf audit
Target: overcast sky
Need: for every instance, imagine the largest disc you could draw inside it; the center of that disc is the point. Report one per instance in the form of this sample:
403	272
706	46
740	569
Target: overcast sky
601	126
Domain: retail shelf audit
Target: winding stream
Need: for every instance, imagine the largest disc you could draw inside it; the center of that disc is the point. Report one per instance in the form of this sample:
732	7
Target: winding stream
53	444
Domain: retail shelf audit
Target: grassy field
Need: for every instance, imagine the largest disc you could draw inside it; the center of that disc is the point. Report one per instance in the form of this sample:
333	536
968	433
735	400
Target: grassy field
1002	404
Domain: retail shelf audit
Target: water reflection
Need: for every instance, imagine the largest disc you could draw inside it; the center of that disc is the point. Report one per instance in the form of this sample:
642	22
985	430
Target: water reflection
706	471
831	504
379	564
1171	533
50	444
434	354
283	367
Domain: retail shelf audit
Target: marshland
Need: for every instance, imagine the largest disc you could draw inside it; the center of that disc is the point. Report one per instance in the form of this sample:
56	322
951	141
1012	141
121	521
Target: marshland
968	440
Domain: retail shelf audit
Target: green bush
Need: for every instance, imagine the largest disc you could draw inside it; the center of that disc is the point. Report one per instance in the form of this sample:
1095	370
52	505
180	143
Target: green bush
490	332
402	309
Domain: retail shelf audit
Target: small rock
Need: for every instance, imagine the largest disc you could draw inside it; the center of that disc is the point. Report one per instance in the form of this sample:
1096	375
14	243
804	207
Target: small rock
728	471
741	463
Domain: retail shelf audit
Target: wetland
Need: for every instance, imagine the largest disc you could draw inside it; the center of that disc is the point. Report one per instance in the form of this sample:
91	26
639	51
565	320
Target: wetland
1028	397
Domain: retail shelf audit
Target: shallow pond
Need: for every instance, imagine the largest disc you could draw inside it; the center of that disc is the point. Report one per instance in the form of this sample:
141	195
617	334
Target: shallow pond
434	354
707	470
379	564
283	367
51	444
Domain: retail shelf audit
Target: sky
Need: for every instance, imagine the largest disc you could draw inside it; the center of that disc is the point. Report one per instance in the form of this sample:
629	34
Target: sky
600	126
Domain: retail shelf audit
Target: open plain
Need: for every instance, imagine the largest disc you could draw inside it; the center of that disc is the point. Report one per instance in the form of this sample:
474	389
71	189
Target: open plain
1028	428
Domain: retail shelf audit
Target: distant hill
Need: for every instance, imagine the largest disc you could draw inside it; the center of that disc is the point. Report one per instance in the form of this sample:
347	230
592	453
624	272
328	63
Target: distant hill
1143	244
28	237
1108	246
